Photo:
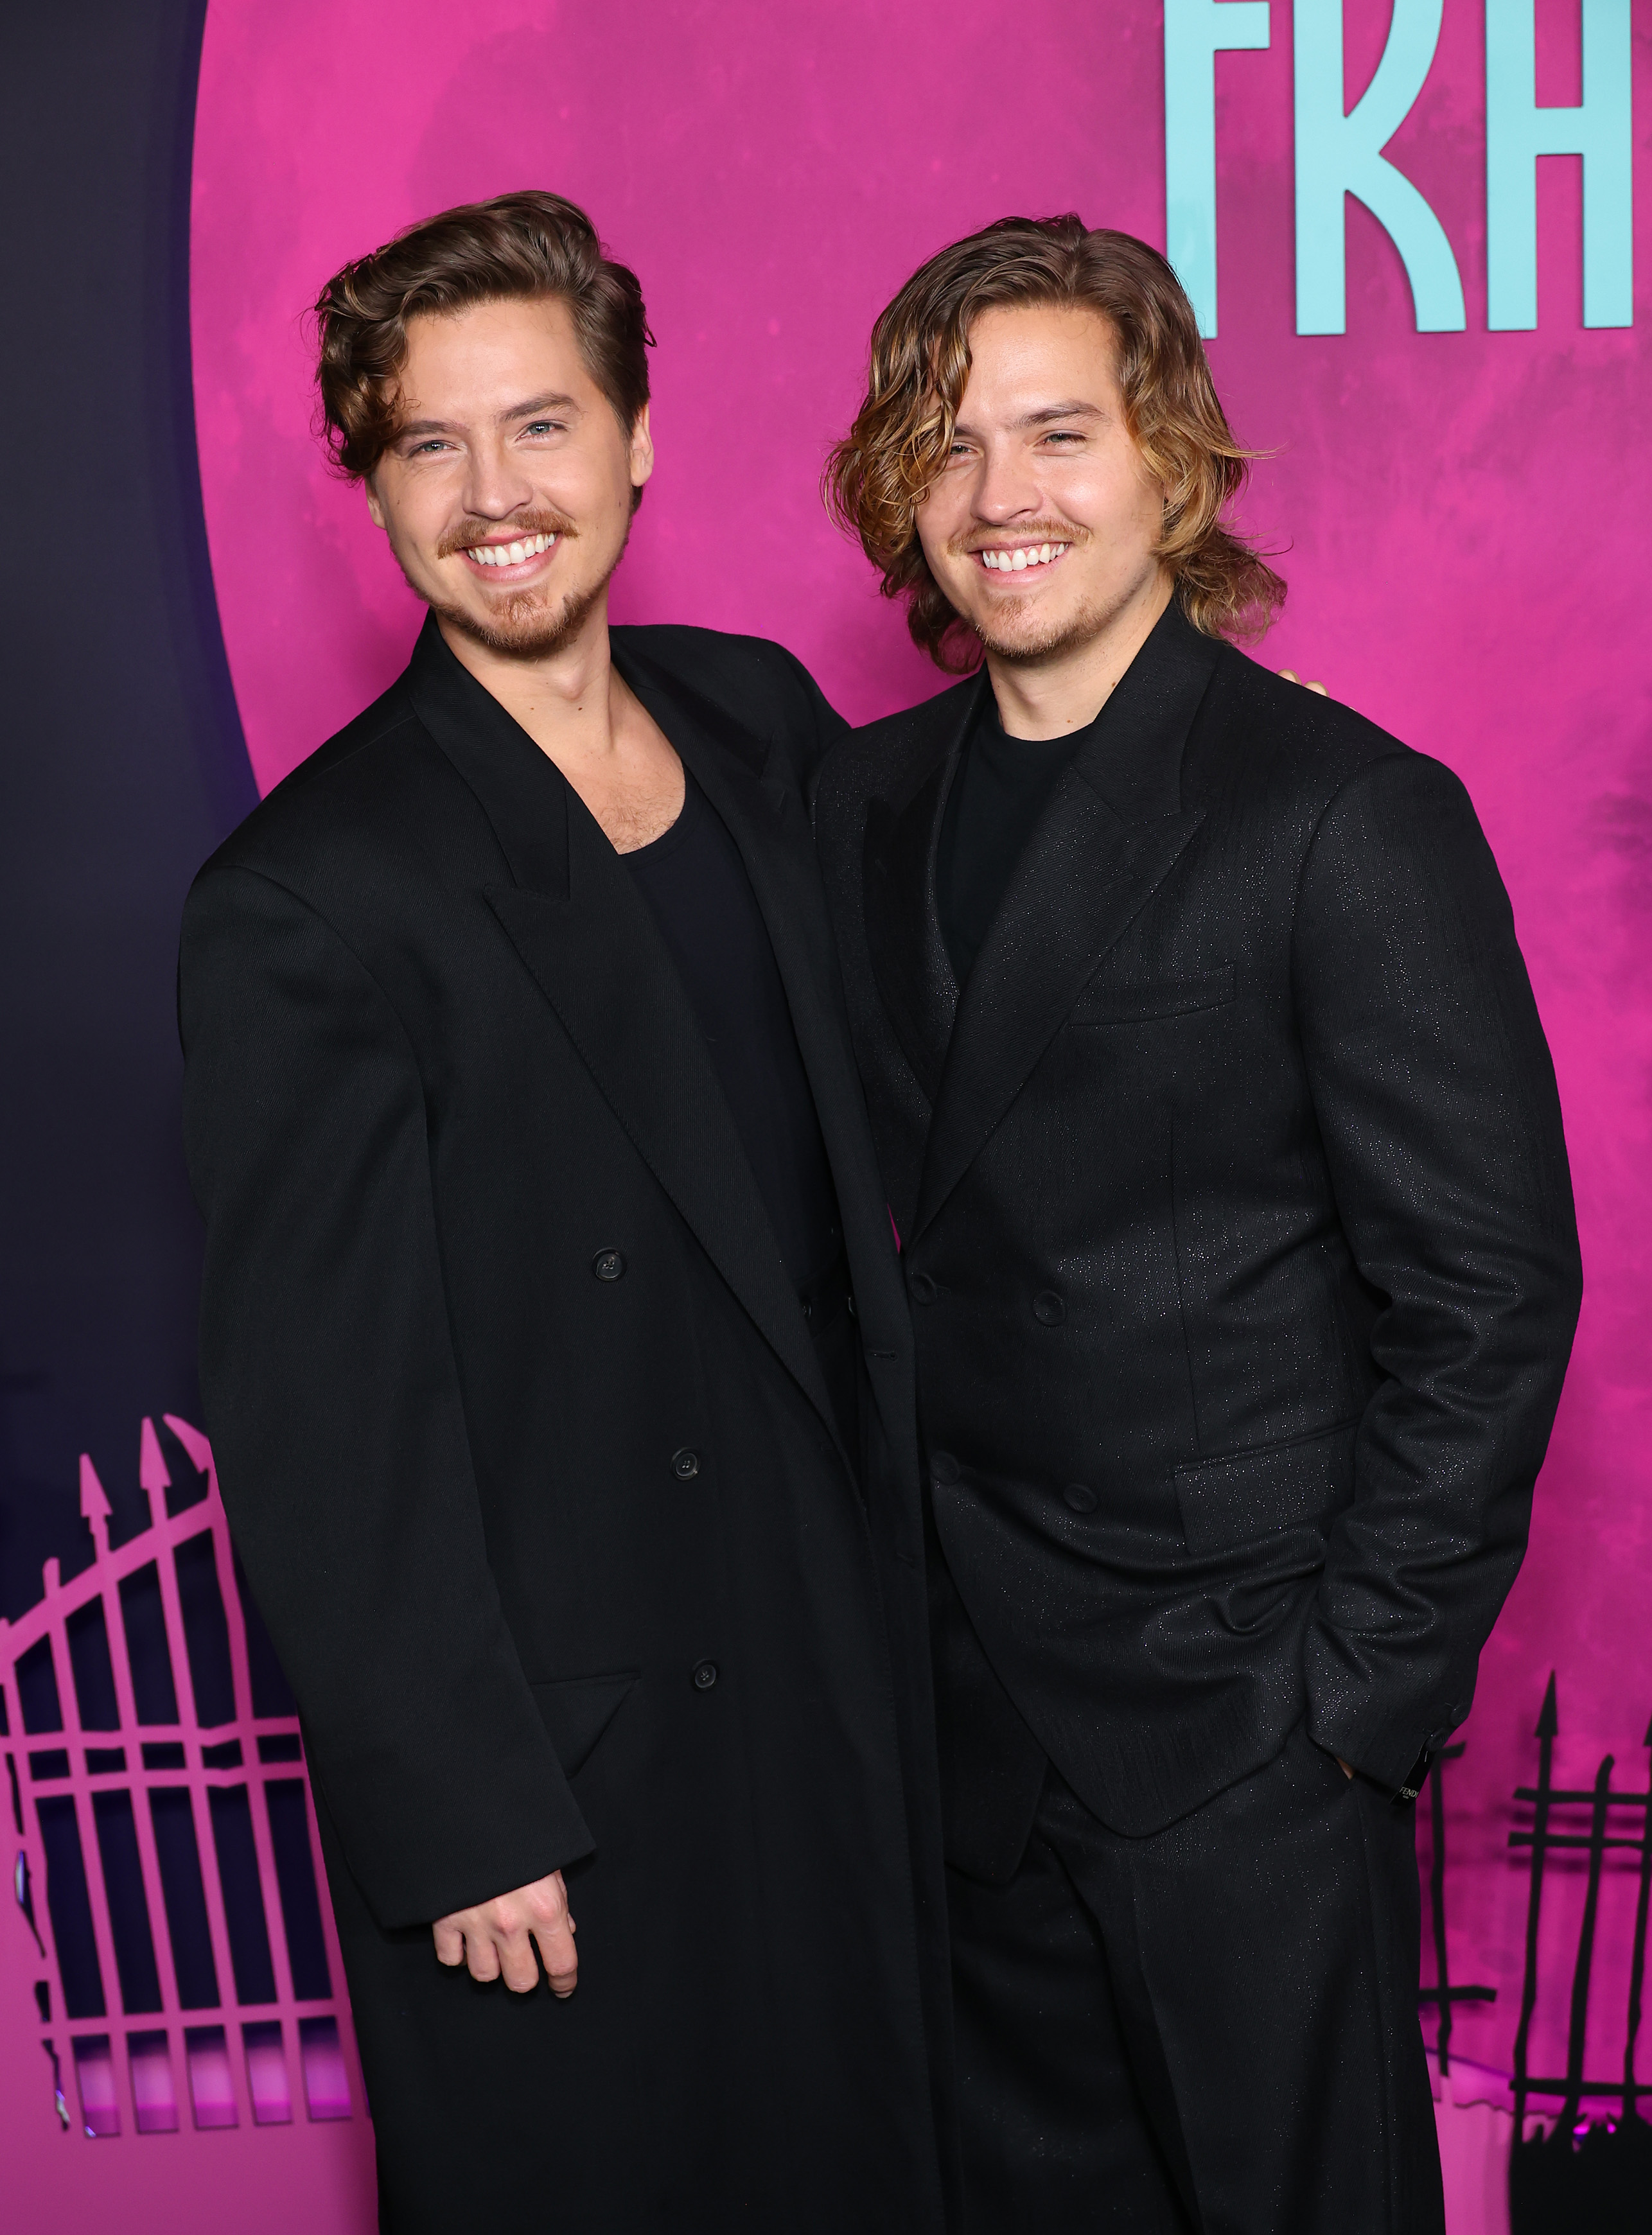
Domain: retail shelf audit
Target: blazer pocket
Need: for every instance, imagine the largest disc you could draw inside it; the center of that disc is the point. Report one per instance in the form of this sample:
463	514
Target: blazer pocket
1256	1493
1163	997
576	1711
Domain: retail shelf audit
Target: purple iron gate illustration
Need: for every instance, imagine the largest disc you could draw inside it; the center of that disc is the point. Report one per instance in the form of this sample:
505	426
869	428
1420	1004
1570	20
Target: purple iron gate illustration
167	1858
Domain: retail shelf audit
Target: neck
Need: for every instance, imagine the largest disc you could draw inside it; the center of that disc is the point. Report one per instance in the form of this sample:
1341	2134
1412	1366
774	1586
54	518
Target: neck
1065	691
566	700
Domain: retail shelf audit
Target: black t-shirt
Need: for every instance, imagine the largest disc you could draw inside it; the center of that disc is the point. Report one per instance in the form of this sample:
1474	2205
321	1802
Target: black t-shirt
695	882
997	797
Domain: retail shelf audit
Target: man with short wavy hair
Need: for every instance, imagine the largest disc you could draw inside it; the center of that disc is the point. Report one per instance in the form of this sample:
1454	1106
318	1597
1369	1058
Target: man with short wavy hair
554	1347
1222	1141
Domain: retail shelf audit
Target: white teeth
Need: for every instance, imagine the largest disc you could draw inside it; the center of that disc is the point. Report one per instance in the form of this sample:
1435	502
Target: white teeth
1004	563
510	555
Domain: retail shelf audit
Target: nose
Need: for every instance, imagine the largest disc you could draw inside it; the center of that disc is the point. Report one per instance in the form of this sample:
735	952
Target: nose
1006	489
495	485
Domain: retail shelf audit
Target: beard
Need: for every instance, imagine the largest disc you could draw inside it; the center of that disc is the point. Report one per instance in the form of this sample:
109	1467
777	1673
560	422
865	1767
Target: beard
1026	643
1027	640
523	624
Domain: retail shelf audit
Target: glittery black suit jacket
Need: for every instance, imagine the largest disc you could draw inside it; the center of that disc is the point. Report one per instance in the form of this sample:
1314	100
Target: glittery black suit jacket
1238	1230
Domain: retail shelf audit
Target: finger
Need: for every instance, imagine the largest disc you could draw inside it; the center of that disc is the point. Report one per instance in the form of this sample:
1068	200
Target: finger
482	1955
560	1957
1320	687
1288	675
449	1942
516	1963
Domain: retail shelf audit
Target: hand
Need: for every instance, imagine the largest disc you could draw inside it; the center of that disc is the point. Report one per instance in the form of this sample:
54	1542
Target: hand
497	1938
1291	676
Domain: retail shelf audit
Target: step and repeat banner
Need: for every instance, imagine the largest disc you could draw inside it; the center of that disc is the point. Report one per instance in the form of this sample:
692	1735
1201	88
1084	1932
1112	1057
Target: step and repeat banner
1411	228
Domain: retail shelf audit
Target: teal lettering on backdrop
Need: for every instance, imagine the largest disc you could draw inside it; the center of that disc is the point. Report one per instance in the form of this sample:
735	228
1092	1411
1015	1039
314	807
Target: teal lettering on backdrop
1338	155
1518	131
1195	31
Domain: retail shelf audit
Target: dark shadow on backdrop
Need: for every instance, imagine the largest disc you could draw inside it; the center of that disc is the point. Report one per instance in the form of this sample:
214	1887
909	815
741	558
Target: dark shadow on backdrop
121	760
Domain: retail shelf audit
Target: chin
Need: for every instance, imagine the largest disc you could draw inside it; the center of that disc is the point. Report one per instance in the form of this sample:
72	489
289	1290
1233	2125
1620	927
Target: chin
524	626
1037	635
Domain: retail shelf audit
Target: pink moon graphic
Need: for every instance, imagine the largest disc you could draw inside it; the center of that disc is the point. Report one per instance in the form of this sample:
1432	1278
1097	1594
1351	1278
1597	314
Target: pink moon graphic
1461	516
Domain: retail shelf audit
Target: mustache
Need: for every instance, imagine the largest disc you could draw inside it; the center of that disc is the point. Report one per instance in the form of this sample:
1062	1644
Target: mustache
471	533
1021	531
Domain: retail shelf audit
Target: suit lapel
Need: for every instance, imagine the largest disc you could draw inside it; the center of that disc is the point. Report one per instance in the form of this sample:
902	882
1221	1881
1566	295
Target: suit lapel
1111	833
909	958
769	824
587	940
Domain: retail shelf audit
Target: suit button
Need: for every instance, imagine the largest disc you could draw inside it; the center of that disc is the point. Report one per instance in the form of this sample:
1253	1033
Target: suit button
685	1464
1048	1308
944	1467
607	1265
704	1675
1080	1498
924	1290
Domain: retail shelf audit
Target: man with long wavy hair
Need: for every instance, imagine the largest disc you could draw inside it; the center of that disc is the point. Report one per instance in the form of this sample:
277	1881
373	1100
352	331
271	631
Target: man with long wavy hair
1223	1145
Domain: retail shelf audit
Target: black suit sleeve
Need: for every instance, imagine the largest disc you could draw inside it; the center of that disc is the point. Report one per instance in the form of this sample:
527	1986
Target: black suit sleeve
332	1399
814	727
1436	1103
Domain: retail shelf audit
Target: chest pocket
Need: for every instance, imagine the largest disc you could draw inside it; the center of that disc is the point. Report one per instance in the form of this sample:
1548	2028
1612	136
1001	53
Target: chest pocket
1133	1004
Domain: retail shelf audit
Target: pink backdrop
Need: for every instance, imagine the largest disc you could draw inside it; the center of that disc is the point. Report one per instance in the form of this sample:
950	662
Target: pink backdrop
1463	516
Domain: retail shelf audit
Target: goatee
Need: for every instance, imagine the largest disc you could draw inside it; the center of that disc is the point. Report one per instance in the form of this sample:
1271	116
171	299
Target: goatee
523	627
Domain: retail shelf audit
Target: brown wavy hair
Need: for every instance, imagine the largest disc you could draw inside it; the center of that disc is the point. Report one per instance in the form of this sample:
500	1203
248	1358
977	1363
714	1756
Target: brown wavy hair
877	476
519	246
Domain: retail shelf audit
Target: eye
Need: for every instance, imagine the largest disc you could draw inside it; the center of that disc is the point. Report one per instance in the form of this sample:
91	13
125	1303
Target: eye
1064	435
543	426
422	449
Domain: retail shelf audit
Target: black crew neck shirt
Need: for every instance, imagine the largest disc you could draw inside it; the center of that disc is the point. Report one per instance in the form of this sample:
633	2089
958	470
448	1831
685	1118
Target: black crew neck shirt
696	884
1002	788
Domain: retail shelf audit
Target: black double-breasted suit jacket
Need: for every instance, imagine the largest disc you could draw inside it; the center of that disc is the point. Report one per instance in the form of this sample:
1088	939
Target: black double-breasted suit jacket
537	1483
1237	1226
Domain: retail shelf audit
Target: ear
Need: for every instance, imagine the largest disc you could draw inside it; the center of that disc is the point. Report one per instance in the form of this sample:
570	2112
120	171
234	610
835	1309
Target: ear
642	450
376	510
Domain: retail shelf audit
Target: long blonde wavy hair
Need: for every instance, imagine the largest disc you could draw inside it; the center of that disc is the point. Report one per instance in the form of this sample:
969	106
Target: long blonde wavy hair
878	475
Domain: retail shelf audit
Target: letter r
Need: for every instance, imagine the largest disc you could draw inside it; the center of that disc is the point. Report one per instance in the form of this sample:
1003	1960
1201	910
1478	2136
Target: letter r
1338	155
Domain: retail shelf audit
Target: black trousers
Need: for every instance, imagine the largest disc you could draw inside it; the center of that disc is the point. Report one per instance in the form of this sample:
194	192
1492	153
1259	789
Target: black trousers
1210	2031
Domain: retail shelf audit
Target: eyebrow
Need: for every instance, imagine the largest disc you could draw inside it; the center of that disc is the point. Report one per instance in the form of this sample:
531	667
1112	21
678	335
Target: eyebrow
551	402
1042	418
1046	415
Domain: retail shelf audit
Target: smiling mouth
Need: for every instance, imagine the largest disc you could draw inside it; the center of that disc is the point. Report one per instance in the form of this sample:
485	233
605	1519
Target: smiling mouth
508	558
1020	558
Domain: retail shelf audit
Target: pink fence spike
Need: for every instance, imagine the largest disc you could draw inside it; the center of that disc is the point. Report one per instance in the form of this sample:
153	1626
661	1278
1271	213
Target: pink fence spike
153	1477
199	1451
94	1506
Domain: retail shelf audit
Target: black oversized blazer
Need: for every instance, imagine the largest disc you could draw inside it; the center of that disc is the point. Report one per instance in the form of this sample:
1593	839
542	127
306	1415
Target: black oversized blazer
1237	1219
528	1456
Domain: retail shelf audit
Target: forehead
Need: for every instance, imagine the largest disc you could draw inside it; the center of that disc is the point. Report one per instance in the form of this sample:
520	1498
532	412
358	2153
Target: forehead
1028	353
473	358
